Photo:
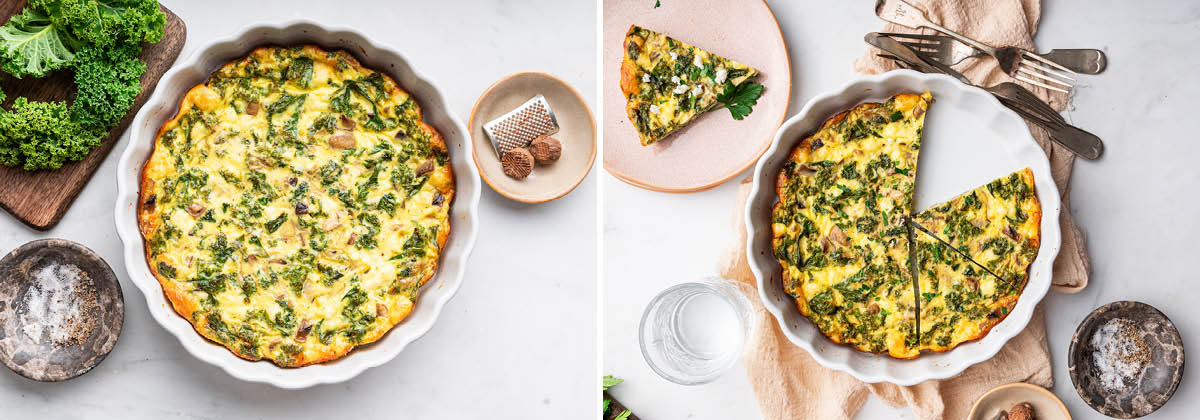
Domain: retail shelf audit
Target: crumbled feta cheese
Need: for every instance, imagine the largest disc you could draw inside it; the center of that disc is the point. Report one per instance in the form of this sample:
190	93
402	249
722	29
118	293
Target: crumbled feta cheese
675	79
721	73
674	56
653	109
698	62
696	91
646	78
681	89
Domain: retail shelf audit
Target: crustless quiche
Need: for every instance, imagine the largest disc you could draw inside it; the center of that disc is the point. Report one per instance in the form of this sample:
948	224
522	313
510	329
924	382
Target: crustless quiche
668	83
841	237
295	205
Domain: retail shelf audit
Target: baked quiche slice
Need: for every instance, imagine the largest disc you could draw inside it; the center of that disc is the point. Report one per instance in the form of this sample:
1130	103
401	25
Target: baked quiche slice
668	83
997	226
838	228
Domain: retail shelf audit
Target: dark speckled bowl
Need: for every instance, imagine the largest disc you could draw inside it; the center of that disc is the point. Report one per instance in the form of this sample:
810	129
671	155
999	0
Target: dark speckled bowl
1159	378
40	359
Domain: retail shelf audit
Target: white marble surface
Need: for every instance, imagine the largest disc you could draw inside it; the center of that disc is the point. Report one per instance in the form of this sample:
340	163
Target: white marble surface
517	340
1137	203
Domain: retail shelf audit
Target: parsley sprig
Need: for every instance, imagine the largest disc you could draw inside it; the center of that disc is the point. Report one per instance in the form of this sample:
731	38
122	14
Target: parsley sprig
740	99
609	382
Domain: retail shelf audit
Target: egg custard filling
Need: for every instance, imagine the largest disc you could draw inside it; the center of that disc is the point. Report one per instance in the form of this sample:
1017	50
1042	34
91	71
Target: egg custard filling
668	83
295	205
841	236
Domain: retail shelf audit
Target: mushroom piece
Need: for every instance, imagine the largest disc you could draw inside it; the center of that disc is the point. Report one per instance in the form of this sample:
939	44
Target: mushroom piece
151	201
301	208
425	167
1011	233
347	123
253	108
302	331
973	284
804	170
838	237
380	310
195	209
873	309
342	140
438	199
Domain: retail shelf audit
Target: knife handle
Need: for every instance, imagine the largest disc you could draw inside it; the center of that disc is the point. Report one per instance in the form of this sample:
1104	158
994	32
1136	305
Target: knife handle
1082	143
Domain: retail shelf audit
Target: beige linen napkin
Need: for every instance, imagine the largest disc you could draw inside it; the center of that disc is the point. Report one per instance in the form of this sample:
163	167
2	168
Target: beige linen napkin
1007	23
791	385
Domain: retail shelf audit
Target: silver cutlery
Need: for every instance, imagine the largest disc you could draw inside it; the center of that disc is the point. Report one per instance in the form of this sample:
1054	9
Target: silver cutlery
950	51
1019	63
1011	95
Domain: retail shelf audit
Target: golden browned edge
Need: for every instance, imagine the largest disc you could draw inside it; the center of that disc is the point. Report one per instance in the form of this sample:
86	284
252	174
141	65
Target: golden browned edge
185	307
1035	217
629	80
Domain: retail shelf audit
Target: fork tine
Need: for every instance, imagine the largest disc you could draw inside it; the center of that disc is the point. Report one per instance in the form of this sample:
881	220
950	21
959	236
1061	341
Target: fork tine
1026	69
1048	70
921	46
1037	83
1048	61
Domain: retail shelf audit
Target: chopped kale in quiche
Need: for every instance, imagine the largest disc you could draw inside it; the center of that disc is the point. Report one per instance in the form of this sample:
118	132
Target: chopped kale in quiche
839	226
295	205
958	300
668	83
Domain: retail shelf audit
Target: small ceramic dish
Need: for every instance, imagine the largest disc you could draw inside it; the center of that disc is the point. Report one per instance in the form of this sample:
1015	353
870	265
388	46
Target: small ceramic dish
61	310
464	222
1046	405
577	132
1110	392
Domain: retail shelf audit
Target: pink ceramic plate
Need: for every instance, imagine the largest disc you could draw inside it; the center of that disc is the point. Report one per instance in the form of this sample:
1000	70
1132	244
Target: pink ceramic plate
715	147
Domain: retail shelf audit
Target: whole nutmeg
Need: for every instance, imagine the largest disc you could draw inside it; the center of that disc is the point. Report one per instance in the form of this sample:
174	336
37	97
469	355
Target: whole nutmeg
1021	411
517	163
545	149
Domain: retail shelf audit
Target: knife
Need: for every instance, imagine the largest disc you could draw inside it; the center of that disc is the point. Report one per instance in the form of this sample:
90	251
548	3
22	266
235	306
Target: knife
960	252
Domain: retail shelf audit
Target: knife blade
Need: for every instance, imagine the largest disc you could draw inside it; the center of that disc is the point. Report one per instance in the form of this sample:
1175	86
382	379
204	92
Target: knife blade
894	47
960	252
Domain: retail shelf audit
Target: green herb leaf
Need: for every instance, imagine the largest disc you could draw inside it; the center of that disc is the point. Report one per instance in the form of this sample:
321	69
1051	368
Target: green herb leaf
610	381
740	99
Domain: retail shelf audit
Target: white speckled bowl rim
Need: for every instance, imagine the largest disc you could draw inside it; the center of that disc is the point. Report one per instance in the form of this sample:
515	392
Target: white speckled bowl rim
881	368
464	222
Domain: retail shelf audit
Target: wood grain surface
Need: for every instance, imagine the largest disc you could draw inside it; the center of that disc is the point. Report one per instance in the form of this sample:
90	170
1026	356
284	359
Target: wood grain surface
41	198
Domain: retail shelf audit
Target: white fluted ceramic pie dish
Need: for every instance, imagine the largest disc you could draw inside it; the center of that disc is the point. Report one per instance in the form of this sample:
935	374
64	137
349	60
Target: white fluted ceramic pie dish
969	139
373	54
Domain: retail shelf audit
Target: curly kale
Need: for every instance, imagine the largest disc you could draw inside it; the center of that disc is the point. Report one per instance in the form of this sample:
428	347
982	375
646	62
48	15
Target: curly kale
40	135
98	39
108	81
107	23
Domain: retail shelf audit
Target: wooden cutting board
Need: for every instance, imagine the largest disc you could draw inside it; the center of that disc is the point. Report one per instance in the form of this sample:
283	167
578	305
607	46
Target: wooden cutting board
39	199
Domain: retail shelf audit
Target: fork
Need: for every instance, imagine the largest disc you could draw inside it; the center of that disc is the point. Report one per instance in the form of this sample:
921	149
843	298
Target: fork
950	51
1016	62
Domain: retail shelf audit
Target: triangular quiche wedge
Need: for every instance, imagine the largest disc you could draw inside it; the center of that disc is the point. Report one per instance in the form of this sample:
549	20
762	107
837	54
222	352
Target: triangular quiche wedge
669	83
838	228
996	230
